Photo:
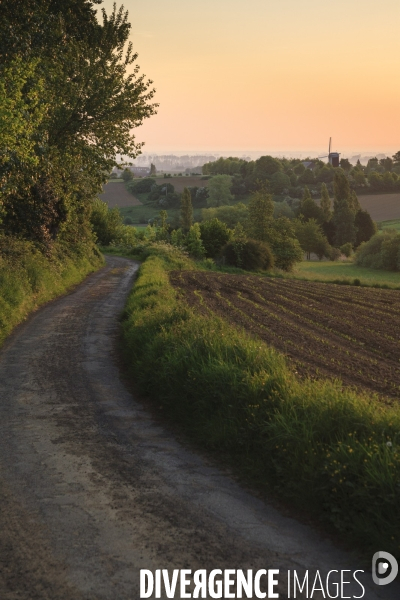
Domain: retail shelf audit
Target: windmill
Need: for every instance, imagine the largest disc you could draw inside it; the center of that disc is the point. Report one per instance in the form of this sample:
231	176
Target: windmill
333	157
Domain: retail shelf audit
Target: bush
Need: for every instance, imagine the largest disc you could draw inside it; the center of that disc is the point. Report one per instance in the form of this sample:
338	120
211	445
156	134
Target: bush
141	186
214	236
128	221
127	175
250	255
105	222
334	254
346	249
382	251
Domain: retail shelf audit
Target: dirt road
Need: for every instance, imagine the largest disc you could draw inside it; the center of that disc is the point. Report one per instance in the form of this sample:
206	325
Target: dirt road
92	489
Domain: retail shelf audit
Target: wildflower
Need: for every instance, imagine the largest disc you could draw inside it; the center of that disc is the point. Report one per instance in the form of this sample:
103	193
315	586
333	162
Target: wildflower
389	444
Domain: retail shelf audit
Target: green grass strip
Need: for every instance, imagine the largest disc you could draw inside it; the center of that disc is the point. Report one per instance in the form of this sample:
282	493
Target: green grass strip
319	446
28	279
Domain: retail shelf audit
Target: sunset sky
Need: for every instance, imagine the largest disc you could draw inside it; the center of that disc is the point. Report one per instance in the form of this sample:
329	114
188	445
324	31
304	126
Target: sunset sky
270	76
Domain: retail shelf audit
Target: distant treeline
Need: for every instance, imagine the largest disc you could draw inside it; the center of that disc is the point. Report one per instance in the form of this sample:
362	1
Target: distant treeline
289	176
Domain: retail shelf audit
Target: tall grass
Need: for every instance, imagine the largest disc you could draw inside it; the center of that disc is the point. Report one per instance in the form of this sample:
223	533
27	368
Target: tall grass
28	279
316	444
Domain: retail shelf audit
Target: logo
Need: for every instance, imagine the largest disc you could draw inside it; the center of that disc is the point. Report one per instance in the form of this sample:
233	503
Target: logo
384	568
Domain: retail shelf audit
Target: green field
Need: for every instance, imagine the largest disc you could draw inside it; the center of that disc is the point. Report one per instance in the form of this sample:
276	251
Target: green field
393	224
330	271
141	214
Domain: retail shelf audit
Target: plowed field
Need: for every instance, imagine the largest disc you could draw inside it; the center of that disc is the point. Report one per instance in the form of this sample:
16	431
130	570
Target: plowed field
325	330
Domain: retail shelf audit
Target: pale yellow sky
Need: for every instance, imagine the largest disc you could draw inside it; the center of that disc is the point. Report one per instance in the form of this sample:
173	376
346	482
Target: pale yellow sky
262	75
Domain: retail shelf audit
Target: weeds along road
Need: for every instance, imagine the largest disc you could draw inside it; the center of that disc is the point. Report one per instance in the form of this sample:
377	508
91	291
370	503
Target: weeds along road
92	489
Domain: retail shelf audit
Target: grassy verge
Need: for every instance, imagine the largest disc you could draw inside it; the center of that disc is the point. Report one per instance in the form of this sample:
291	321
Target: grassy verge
320	447
346	272
28	279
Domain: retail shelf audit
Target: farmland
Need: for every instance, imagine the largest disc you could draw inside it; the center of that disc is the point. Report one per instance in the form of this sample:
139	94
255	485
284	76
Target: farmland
116	194
381	207
329	271
180	182
326	331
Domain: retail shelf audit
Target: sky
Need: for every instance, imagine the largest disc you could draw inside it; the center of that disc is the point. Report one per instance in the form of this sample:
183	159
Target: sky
281	76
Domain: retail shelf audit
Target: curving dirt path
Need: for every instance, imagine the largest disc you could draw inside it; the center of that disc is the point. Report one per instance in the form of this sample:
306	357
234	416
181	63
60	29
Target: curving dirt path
92	489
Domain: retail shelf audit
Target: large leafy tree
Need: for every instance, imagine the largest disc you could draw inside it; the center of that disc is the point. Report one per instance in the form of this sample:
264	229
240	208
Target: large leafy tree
92	96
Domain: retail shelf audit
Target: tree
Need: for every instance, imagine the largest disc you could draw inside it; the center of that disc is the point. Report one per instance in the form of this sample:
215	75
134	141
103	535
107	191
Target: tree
279	182
193	242
266	166
127	175
153	169
341	188
324	174
345	164
365	226
91	105
186	210
219	190
284	244
214	235
343	211
105	222
312	238
354	202
309	209
307	177
396	159
261	210
386	163
230	215
325	203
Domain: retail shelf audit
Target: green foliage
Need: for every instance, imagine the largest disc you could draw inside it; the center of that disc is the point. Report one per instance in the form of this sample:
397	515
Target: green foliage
312	238
279	182
344	210
309	209
28	279
193	242
282	209
325	203
382	251
251	255
307	177
71	96
214	235
346	249
230	215
219	190
127	175
365	226
186	210
105	222
261	210
284	244
223	166
141	186
321	446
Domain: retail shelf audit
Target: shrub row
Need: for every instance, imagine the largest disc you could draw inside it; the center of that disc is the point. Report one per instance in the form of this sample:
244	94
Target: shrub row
316	444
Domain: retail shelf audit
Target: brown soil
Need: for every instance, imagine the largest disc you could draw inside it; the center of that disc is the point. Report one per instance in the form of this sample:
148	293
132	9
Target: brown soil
381	207
116	194
325	330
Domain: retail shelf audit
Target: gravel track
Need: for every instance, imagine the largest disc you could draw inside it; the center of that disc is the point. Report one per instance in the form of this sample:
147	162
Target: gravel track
92	489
